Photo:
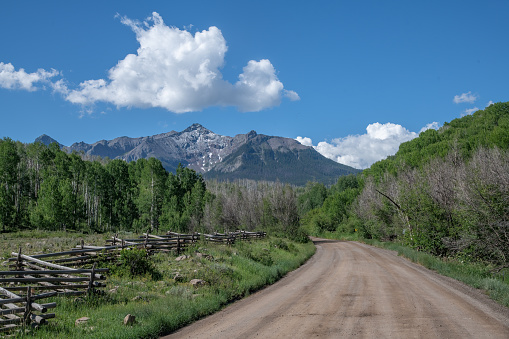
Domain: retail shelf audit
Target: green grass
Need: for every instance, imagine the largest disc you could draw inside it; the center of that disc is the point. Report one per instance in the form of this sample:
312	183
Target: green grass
164	305
477	275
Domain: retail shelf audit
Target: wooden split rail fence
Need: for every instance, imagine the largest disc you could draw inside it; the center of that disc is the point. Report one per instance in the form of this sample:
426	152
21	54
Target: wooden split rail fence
157	243
30	275
46	274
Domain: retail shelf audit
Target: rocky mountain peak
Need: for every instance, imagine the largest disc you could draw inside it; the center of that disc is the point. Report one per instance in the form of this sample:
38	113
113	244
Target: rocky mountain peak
46	140
251	156
196	127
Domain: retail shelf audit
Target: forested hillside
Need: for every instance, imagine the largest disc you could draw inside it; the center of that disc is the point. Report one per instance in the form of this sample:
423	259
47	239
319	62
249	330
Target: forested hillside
445	192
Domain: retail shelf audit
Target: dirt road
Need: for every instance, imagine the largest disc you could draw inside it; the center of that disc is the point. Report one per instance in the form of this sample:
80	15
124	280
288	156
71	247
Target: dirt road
350	289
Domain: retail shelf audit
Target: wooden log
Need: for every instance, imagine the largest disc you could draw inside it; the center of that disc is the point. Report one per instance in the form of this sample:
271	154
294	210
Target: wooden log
18	261
57	287
79	259
86	249
47	284
47	315
12	310
91	282
13	296
28	306
100	276
44	263
152	236
43	279
37	272
71	293
14	319
9	321
8	328
90	248
36	267
124	241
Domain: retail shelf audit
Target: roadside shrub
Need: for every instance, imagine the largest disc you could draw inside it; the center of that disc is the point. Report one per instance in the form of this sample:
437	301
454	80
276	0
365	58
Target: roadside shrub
299	236
135	262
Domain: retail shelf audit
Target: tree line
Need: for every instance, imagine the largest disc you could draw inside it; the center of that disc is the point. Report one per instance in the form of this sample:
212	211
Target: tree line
43	187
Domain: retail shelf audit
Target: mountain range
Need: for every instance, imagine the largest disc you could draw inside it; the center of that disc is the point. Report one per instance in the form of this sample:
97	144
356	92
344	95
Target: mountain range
244	156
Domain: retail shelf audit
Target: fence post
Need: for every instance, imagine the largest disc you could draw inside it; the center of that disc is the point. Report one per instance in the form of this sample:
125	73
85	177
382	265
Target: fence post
18	262
82	243
178	244
91	282
28	307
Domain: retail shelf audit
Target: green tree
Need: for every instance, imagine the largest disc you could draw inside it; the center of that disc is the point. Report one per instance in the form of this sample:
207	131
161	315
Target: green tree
151	192
9	160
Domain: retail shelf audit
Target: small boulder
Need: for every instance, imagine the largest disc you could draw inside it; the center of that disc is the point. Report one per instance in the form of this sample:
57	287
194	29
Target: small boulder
197	282
129	320
114	290
182	257
78	300
81	320
139	298
178	277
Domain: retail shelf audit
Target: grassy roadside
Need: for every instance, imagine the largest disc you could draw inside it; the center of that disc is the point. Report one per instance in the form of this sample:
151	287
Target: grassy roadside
163	300
477	275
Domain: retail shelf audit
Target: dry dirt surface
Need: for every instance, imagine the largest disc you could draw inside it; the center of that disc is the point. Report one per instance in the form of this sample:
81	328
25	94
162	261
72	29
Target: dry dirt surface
348	289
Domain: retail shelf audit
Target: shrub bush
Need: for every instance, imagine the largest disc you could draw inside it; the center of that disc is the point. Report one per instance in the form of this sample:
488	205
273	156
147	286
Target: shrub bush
135	262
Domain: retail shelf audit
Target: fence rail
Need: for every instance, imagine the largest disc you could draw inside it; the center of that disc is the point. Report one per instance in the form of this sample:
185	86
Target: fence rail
231	237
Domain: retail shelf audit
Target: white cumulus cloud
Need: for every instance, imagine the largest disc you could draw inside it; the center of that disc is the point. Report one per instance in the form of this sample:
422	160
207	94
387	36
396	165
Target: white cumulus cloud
361	151
465	97
12	79
305	141
180	72
432	125
470	111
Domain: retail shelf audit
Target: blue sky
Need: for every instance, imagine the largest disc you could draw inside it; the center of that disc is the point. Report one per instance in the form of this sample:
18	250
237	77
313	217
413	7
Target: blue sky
352	78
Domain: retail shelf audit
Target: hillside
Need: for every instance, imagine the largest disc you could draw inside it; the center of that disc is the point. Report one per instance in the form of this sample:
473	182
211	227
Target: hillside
447	191
486	128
